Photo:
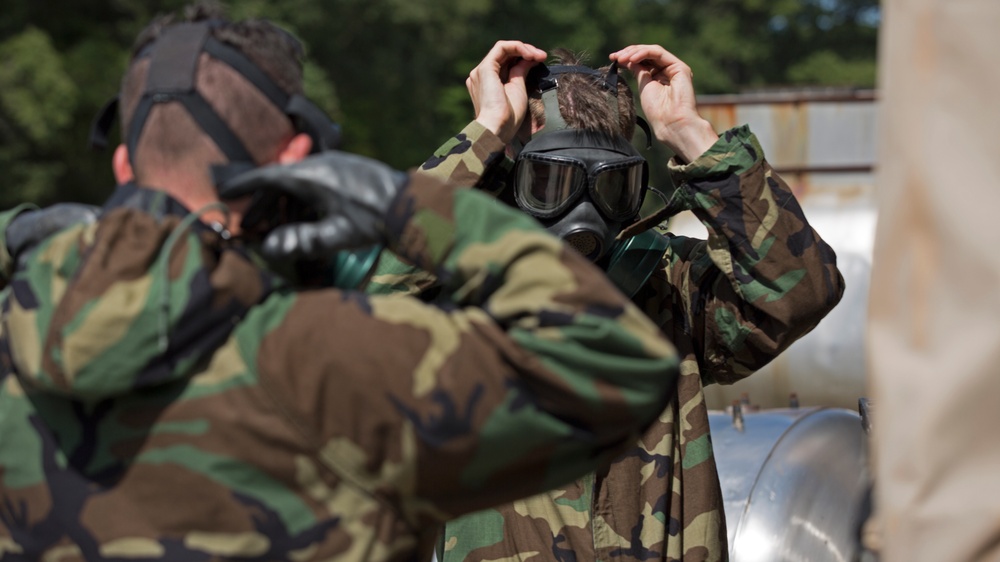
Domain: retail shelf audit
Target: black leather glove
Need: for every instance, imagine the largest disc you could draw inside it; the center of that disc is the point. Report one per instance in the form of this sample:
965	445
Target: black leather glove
31	227
349	194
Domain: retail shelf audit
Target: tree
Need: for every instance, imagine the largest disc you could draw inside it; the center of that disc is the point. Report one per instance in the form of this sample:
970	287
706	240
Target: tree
393	71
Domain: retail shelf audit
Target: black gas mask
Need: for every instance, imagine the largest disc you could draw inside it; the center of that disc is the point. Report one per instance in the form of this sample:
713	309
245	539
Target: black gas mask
584	186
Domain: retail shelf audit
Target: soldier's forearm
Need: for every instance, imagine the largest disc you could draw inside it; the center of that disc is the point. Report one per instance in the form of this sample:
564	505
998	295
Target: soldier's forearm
466	158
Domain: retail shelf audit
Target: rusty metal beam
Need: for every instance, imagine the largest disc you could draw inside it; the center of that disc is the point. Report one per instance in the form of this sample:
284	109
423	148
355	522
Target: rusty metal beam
832	95
826	169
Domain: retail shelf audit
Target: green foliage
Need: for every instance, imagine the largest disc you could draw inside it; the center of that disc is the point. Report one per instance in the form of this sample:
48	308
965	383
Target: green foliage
830	69
35	90
37	99
393	71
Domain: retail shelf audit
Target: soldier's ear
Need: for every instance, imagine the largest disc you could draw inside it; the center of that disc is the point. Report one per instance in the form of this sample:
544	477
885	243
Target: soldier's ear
121	166
296	149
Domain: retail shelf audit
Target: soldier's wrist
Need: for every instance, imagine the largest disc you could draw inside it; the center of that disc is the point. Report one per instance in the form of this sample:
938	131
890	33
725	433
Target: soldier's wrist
689	139
734	152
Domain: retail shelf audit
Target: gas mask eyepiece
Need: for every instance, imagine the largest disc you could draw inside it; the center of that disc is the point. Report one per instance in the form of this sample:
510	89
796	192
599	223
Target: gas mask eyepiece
582	185
547	184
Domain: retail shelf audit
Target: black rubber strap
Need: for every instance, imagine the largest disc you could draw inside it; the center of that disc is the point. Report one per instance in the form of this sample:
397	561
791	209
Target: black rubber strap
250	71
100	128
142	109
174	64
325	133
216	128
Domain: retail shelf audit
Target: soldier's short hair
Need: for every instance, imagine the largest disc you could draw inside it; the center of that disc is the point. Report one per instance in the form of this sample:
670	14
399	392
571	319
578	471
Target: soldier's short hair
170	136
583	102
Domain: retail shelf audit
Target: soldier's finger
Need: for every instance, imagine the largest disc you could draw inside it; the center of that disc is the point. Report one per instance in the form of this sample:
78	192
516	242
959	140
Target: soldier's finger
659	57
502	51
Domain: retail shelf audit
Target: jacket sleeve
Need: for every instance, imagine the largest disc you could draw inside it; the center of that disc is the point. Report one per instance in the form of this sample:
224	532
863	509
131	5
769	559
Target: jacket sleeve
6	260
762	279
474	157
527	371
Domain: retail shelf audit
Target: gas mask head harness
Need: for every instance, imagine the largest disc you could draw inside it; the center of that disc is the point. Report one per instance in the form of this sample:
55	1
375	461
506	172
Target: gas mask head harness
584	186
172	76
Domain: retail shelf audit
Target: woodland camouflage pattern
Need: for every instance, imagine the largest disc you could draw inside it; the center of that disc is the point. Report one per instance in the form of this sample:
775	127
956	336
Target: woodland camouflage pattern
163	398
729	304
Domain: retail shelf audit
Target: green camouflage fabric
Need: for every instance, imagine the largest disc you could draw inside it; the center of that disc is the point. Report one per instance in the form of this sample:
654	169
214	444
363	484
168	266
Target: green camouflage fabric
729	304
164	398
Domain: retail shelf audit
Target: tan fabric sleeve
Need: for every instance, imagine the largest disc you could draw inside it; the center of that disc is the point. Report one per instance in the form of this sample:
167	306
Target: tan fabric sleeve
934	323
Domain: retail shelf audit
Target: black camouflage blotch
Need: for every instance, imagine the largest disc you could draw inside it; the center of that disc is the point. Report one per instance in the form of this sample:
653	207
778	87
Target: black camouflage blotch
804	239
731	215
6	363
661	505
69	492
496	170
674	527
552	318
834	288
267	522
800	241
201	329
490	283
22	293
749	148
438	430
175	549
86	446
493	158
664	463
605	311
562	554
463	146
636	549
523	398
400	213
741	275
444	305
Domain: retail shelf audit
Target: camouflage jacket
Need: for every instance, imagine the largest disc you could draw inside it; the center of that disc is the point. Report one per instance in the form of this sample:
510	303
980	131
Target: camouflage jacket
163	398
729	304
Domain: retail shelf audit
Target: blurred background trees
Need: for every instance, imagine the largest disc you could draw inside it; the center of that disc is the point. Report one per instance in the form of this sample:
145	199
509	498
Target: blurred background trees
393	71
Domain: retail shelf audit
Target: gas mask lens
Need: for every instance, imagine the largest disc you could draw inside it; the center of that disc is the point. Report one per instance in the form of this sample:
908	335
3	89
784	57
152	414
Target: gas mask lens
545	185
617	188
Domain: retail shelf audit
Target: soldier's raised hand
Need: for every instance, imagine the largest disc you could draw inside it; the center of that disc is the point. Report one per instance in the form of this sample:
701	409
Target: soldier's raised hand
350	194
497	87
666	91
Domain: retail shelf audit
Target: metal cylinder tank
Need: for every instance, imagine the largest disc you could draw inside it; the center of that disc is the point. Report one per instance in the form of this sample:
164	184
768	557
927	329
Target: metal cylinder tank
794	481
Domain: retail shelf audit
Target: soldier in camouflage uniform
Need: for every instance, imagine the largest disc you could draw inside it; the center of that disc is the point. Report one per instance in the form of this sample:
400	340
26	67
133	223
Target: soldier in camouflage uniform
162	397
729	304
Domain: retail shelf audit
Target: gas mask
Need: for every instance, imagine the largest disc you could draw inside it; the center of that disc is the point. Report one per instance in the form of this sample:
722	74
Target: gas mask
586	186
583	186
